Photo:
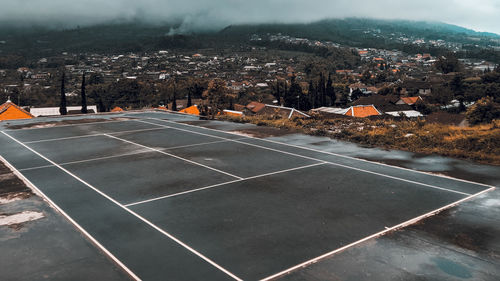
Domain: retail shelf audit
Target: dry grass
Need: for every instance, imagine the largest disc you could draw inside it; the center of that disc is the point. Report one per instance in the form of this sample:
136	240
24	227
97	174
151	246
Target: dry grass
478	143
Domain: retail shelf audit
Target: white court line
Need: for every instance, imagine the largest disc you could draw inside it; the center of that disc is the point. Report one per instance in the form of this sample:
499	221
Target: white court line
71	220
89	160
129	211
378	234
123	155
66	125
221	184
175	156
96	135
331	163
324	152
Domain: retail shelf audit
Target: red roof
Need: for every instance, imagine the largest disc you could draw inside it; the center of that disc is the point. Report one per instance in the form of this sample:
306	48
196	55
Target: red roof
10	111
362	111
411	100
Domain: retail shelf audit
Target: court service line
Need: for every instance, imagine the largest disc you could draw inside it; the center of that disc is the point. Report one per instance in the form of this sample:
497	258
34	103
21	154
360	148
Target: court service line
96	135
70	219
123	155
378	234
175	156
184	245
332	163
68	125
222	184
324	152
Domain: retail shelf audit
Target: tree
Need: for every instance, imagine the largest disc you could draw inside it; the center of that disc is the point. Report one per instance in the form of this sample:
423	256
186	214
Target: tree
366	77
216	96
484	110
277	94
174	98
442	95
321	91
62	107
356	94
84	97
293	95
312	94
189	102
95	78
448	64
330	90
457	86
344	98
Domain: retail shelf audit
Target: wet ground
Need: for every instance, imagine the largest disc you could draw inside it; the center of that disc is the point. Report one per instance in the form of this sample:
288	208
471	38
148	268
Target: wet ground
47	247
460	243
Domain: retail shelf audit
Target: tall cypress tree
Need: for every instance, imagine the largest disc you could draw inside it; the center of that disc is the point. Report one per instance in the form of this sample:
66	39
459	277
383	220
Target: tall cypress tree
330	90
189	102
277	94
84	96
321	90
174	100
62	108
312	94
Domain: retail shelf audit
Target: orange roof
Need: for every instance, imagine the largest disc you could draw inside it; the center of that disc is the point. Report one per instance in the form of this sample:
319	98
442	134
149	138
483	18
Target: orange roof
411	100
362	111
117	109
10	111
193	110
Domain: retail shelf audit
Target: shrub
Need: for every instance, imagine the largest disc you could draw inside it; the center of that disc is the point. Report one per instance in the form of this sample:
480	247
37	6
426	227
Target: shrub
484	111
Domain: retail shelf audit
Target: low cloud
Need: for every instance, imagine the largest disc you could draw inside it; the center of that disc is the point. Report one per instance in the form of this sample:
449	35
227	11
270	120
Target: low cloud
214	14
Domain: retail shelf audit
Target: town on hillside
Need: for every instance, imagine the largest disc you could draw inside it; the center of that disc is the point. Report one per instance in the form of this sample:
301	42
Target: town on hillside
312	77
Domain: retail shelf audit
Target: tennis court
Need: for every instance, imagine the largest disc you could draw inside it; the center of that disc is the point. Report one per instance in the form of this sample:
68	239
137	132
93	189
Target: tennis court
173	201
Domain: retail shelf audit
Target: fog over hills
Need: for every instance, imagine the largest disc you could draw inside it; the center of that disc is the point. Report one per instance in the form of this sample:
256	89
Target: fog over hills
203	15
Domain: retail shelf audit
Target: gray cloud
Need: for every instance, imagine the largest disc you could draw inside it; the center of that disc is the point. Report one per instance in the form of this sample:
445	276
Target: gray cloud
212	14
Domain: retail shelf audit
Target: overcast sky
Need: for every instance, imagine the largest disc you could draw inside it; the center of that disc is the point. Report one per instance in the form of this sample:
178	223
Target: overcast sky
481	15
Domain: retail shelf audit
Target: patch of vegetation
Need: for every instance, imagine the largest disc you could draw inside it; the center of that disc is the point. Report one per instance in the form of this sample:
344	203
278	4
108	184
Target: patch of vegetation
479	143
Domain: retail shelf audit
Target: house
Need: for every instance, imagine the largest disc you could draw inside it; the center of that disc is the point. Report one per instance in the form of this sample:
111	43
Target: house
10	111
383	103
257	108
422	88
362	111
410	100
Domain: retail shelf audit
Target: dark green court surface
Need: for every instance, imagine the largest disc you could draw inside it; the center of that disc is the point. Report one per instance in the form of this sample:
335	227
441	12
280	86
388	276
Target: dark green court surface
174	201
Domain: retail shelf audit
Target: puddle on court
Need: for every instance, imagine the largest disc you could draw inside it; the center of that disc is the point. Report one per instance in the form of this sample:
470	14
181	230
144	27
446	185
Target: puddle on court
451	167
452	268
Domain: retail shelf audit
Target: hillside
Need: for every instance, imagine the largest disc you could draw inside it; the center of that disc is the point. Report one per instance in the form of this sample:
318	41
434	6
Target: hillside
137	37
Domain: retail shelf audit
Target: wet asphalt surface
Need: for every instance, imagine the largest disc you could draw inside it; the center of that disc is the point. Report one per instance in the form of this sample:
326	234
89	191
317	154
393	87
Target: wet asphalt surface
46	249
260	226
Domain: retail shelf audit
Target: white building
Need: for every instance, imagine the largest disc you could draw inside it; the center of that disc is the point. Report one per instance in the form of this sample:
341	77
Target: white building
54	111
